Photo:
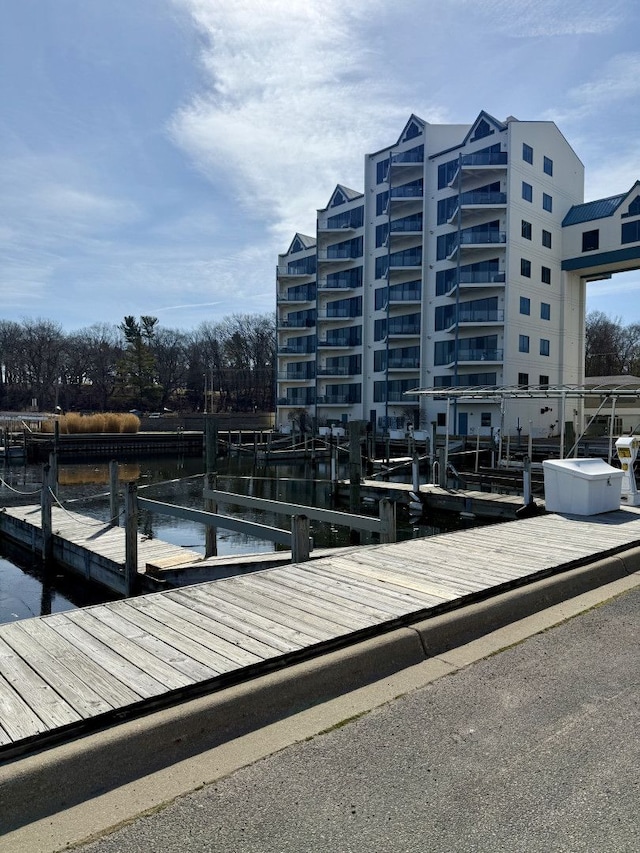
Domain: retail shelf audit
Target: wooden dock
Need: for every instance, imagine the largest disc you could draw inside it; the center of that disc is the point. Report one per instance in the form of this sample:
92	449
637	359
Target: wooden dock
68	673
93	549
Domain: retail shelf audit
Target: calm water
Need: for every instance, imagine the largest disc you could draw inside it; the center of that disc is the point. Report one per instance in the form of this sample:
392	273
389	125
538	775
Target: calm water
29	589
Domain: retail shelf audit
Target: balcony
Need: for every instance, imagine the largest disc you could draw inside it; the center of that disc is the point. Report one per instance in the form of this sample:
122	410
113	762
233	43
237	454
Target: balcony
338	255
336	371
477	280
295	401
473	203
325	224
336	400
483	164
477	318
301	296
338	343
296	324
339	314
472	356
294	272
470	241
404	364
404	331
338	284
287	349
294	377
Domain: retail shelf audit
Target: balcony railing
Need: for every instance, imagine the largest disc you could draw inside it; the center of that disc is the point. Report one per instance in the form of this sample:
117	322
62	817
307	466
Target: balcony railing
294	377
305	296
404	363
471	239
293	350
333	254
338	284
338	342
479	316
406	191
479	355
339	314
411	157
295	401
336	371
407	329
293	272
296	324
336	400
495	158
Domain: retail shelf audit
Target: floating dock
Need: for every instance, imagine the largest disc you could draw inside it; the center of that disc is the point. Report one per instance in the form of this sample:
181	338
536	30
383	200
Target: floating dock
69	673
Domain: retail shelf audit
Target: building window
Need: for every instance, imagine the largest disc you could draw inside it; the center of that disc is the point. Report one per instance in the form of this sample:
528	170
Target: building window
442	419
382	200
525	305
525	267
523	380
527	191
523	343
527	153
631	232
545	275
544	381
545	311
547	165
547	202
546	238
590	240
544	346
382	167
485	419
526	229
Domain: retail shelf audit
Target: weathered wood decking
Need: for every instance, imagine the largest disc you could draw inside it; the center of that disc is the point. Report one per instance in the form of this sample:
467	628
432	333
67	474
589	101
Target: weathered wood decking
68	672
88	547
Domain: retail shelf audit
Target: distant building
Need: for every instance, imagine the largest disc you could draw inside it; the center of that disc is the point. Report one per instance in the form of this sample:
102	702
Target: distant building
463	263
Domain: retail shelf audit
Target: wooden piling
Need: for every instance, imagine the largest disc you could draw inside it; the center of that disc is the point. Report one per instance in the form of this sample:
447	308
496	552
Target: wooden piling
113	494
131	538
299	538
210	533
45	514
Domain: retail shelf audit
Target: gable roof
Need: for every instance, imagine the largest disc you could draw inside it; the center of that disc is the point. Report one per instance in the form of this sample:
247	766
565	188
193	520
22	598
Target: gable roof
300	242
601	207
483	119
414	127
342	195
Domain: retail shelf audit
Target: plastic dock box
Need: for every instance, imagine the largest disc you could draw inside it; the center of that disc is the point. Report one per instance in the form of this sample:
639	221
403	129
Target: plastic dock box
581	486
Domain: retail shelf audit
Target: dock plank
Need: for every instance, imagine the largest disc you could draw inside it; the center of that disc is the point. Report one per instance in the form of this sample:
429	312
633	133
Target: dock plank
59	673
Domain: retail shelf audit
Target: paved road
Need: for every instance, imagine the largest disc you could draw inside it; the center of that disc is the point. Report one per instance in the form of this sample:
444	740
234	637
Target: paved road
533	749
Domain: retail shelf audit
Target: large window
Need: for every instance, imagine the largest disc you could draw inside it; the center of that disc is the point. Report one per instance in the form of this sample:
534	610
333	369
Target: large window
525	267
527	153
525	305
547	202
547	166
526	229
590	240
527	191
382	168
382	199
545	275
523	380
545	311
544	346
546	238
631	232
523	343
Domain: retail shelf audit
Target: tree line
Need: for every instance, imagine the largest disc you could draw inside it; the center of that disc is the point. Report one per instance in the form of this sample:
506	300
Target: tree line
139	364
611	348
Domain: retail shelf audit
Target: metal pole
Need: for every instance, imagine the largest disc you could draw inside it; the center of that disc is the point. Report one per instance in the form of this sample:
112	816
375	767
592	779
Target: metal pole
563	400
611	427
526	480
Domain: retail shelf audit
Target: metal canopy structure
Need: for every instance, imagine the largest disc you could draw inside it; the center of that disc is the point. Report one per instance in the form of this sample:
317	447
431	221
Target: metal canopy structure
605	392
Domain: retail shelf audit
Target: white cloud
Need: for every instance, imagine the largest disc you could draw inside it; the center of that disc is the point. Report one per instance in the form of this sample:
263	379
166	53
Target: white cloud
616	81
296	95
538	18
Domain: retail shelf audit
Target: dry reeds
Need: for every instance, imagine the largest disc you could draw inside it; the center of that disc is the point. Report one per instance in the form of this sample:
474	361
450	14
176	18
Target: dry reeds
110	422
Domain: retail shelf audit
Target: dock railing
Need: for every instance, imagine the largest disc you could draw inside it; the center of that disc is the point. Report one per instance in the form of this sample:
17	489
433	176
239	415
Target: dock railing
384	525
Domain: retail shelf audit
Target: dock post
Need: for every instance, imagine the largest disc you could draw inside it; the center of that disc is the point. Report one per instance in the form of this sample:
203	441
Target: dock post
210	443
415	472
210	534
5	432
526	480
355	465
477	465
113	494
387	510
130	538
53	472
333	456
442	467
45	514
299	538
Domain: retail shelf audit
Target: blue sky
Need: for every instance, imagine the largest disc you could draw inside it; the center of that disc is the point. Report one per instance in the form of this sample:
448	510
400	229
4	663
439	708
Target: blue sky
156	155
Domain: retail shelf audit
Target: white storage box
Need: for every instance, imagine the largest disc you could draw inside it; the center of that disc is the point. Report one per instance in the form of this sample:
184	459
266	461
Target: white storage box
581	486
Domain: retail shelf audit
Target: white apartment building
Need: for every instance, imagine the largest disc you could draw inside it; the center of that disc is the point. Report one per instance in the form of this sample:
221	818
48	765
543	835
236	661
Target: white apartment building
462	264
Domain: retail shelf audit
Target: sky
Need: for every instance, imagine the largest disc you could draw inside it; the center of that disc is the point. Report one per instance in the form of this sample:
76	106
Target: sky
156	155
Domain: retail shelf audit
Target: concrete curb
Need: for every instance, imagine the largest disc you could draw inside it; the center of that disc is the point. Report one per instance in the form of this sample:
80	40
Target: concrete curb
63	776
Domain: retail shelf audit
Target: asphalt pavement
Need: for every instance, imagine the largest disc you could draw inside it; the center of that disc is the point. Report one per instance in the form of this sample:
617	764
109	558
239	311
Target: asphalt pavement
534	748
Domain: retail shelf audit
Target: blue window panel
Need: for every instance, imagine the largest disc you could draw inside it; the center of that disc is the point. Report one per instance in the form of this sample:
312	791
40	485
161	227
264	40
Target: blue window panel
547	166
523	343
382	167
545	275
525	267
547	202
527	191
525	305
527	153
546	238
545	311
544	346
631	232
